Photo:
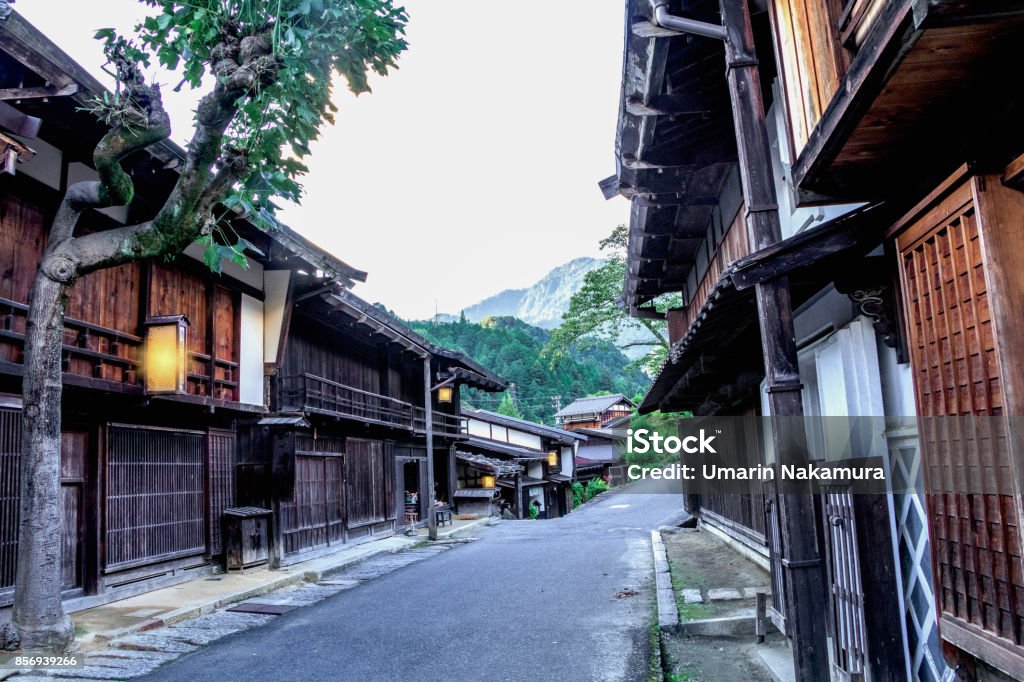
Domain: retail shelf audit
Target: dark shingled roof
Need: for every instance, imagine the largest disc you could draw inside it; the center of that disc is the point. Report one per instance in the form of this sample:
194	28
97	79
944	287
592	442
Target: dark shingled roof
561	435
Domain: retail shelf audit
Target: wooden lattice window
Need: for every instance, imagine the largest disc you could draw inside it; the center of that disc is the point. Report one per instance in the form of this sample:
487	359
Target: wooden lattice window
960	387
155	497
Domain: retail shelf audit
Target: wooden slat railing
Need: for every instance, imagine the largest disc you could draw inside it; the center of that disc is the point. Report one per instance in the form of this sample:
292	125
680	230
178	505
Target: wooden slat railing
444	424
311	393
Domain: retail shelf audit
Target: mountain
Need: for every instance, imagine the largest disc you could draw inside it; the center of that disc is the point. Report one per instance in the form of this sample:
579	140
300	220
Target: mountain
514	350
542	304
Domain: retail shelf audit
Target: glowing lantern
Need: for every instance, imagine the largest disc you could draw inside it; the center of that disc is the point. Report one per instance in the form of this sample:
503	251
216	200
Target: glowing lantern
487	481
164	354
553	458
444	394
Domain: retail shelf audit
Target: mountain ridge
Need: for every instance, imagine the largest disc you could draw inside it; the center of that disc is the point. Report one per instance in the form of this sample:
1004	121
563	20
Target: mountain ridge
541	304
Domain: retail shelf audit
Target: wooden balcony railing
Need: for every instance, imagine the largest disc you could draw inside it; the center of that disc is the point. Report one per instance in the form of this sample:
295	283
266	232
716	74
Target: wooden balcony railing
444	424
311	393
94	355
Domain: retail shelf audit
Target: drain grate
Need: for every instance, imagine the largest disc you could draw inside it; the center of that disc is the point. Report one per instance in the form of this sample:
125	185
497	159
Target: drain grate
265	609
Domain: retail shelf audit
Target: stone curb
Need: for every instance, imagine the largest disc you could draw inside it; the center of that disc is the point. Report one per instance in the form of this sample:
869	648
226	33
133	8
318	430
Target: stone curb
287	580
668	610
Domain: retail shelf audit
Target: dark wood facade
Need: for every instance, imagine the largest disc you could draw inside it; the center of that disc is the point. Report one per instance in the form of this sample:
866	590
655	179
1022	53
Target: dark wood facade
902	106
146	477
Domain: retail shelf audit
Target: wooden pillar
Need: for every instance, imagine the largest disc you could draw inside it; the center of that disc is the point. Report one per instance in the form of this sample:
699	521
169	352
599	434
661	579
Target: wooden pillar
428	429
802	568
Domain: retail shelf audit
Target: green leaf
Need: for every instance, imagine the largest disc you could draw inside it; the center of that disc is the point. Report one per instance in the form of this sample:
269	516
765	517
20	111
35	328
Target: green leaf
211	256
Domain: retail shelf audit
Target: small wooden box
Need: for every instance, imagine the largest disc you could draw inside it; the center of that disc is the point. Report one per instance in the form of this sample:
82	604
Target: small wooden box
246	537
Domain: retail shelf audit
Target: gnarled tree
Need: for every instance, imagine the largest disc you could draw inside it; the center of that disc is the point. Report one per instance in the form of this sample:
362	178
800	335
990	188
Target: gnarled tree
268	68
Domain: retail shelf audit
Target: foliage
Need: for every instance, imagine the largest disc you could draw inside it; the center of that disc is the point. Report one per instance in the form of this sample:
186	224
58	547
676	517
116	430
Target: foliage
509	407
595	487
595	315
533	511
275	122
514	350
577	494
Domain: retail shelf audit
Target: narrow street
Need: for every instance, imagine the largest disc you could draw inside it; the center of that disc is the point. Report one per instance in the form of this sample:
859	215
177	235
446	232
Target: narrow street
527	601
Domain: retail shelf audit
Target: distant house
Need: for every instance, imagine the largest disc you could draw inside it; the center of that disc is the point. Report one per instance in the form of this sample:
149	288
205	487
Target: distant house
518	463
602	454
595	413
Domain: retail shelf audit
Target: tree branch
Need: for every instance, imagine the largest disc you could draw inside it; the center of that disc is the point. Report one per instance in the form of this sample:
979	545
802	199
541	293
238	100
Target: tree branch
240	65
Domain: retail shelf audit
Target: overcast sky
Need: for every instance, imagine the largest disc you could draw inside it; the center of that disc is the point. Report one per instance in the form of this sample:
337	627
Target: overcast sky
471	169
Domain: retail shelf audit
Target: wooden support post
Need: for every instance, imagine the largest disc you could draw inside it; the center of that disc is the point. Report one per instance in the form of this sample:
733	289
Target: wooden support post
802	568
761	617
428	429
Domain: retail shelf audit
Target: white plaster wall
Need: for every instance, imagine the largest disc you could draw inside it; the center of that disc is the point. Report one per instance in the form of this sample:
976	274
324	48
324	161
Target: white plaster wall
45	165
275	297
568	454
535	469
250	362
479	428
526	440
251	275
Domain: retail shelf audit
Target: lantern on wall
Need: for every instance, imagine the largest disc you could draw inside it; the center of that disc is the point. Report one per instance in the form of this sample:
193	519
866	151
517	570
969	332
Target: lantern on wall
487	481
164	354
444	394
553	458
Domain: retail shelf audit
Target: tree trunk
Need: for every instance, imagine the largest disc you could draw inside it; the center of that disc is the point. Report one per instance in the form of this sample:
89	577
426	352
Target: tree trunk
38	613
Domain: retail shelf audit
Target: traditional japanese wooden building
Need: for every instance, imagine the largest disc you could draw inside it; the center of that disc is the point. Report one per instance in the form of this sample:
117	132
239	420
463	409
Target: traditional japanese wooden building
595	412
286	390
343	454
520	462
835	190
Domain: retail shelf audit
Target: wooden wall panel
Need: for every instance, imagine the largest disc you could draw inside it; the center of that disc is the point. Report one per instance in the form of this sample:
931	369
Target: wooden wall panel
811	61
174	292
369	483
954	341
22	237
314	350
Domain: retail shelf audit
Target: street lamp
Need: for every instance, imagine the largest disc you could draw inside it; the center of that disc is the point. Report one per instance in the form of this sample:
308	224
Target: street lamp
164	354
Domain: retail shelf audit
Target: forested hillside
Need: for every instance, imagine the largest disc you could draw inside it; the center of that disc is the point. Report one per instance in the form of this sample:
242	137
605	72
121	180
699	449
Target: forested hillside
514	350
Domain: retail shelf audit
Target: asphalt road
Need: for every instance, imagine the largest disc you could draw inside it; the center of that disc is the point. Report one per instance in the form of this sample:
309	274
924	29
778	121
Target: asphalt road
529	600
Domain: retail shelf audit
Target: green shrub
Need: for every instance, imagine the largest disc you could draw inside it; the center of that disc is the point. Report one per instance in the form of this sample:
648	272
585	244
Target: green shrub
595	487
533	512
577	494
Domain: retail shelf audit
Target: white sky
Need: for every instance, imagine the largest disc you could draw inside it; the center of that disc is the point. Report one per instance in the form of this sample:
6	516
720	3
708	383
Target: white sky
471	169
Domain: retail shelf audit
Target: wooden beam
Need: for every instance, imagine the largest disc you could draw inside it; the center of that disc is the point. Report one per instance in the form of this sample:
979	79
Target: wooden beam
667	105
645	29
35	93
669	200
1013	175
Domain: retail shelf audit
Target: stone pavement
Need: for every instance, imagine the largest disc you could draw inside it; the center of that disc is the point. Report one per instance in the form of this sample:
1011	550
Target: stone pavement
134	653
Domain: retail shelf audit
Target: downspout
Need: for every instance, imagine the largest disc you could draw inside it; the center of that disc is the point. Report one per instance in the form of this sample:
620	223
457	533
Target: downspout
800	559
663	19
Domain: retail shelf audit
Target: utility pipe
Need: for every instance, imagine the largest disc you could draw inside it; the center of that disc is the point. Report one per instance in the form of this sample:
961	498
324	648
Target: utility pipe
702	28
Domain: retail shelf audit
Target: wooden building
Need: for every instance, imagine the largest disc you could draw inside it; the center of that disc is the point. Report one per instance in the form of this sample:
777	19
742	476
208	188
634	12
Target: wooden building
595	412
293	393
857	165
543	462
343	455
